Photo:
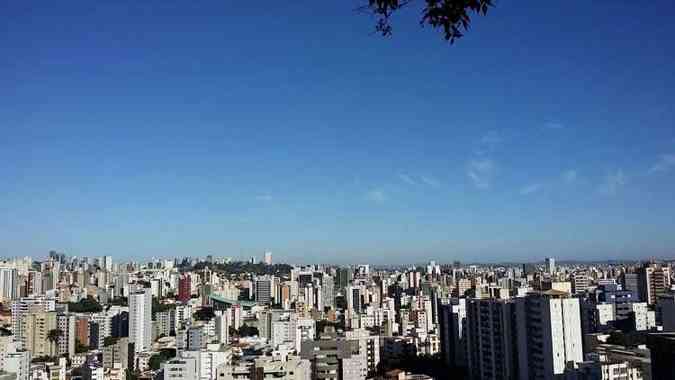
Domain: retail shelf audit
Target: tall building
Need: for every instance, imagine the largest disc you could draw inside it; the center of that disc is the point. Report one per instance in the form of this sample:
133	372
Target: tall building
532	337
107	263
492	330
550	265
8	284
452	321
662	348
66	342
263	289
38	328
18	363
551	328
21	308
181	368
653	281
184	288
631	283
222	322
580	282
120	352
140	319
268	258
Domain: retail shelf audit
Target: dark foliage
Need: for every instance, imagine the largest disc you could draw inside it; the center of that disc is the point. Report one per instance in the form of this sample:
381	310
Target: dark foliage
158	307
119	301
109	341
45	359
240	267
204	314
164	355
131	375
246	330
452	17
80	348
86	305
627	339
322	324
432	366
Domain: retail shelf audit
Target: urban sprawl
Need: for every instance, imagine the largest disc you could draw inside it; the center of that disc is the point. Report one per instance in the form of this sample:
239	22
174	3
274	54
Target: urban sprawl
212	318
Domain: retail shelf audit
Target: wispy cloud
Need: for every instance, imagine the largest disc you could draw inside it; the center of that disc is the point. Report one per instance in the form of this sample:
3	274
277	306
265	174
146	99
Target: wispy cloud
430	181
481	166
419	180
613	182
665	163
488	143
480	171
570	176
264	197
407	179
530	189
554	125
376	195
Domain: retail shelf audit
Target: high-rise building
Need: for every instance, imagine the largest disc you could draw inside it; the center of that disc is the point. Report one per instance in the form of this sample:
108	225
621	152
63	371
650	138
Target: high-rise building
491	334
18	363
550	324
452	321
532	337
107	263
222	322
21	308
8	284
184	288
550	265
66	343
580	282
120	353
662	348
38	328
263	289
196	338
631	283
140	319
82	330
268	258
654	280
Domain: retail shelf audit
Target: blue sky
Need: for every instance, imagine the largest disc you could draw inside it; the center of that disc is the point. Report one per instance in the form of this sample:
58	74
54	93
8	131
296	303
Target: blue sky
163	128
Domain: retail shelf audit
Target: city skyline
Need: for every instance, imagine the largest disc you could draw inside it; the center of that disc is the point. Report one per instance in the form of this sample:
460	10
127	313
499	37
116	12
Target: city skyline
153	129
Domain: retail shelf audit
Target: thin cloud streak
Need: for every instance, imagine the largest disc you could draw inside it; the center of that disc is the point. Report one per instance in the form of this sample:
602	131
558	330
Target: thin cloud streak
613	182
480	172
530	189
666	163
407	179
554	125
430	181
570	176
377	196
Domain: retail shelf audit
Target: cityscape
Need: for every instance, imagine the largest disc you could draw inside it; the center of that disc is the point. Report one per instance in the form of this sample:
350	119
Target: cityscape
208	318
337	190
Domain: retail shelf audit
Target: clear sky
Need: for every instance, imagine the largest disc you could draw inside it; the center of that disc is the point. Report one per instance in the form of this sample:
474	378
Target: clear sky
162	128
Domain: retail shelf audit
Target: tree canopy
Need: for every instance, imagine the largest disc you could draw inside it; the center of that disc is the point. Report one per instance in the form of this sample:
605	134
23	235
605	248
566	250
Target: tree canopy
239	267
204	314
452	17
164	355
85	305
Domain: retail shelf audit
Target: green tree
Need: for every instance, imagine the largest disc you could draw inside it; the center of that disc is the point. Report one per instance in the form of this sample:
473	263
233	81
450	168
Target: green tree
452	17
85	305
246	330
80	348
53	338
204	314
